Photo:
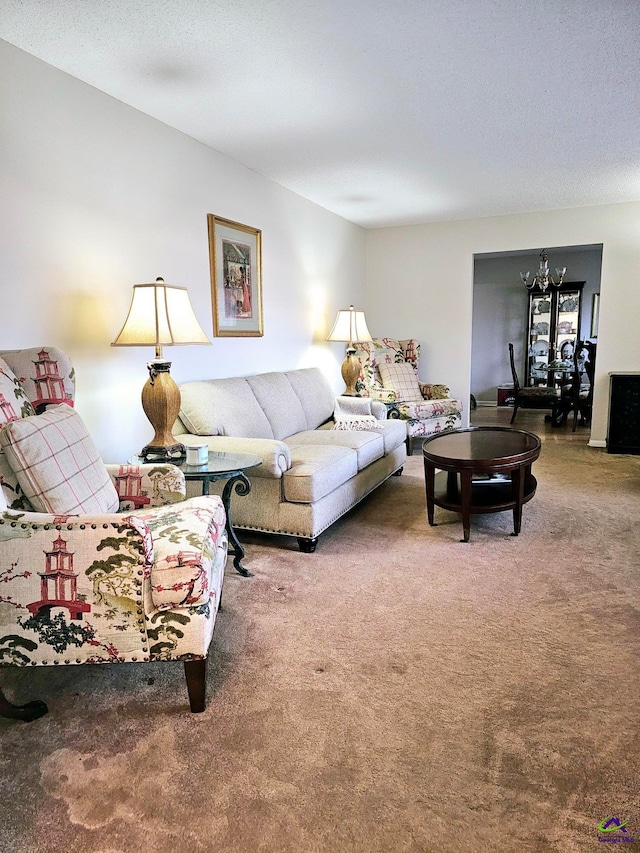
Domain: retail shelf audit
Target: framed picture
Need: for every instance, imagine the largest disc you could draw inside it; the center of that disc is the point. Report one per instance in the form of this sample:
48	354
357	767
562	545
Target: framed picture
595	313
235	257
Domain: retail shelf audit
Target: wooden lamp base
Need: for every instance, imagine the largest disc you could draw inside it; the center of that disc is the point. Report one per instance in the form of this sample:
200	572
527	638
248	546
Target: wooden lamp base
350	371
161	404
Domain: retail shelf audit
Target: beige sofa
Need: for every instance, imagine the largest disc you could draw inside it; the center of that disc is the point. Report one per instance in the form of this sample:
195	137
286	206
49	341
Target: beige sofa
311	472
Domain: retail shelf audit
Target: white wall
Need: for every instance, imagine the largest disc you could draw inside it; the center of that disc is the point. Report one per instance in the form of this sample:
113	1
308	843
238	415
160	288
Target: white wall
420	284
97	197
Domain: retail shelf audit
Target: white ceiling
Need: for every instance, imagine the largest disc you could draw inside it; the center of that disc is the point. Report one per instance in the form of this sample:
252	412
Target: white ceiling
387	112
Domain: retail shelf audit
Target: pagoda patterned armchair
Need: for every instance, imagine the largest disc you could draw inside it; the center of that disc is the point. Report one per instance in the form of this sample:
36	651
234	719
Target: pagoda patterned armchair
98	564
389	373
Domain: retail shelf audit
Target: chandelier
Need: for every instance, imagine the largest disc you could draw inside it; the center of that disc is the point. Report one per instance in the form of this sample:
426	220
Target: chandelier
543	278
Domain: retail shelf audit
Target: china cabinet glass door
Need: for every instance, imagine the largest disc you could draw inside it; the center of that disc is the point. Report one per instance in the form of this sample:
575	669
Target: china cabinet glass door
553	329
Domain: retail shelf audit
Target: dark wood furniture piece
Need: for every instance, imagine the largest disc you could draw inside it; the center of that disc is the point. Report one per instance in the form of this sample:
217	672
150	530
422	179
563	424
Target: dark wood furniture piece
222	466
554	327
532	396
577	396
488	469
28	712
624	413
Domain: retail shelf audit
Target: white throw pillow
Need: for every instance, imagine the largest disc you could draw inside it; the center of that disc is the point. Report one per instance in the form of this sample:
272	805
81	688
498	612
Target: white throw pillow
57	464
402	379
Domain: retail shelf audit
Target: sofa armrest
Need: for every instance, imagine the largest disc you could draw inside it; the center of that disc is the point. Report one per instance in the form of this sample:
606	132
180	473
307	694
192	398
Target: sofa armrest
149	484
275	455
434	392
359	406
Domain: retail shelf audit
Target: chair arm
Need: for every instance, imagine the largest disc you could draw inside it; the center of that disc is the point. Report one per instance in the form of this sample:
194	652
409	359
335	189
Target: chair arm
92	612
275	455
149	484
433	392
100	607
386	395
184	543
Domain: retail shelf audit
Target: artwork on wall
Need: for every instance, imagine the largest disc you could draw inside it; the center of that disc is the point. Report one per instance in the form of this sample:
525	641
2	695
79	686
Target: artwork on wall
235	257
595	311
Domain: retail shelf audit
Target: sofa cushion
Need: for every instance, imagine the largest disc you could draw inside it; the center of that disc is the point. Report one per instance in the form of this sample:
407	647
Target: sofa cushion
315	394
316	471
279	402
394	433
57	464
368	445
223	407
402	379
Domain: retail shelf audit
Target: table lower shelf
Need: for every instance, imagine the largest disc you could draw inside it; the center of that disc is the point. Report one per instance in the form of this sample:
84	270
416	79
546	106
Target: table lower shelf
486	496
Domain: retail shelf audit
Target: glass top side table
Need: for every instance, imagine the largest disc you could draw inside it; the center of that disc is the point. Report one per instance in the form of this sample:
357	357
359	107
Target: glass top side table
221	466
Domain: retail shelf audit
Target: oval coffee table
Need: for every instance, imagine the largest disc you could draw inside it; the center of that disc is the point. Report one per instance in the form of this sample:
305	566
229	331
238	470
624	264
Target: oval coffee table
488	470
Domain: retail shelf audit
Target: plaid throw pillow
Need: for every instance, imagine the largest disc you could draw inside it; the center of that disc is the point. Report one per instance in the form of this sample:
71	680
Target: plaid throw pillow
57	464
402	379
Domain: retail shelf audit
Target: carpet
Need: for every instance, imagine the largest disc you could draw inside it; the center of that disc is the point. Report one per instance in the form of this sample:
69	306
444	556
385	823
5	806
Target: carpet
395	691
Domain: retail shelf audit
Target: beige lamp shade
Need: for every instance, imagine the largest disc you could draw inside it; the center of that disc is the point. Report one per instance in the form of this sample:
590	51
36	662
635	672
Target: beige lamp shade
350	326
160	315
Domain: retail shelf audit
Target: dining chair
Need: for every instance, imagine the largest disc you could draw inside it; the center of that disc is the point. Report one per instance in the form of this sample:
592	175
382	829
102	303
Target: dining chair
532	396
581	389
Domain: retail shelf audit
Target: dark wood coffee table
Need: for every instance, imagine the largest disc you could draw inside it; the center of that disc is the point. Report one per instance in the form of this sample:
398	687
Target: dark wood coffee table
488	470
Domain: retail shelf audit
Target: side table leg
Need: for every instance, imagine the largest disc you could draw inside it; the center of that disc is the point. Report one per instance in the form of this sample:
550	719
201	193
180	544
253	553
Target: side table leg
242	486
430	479
465	498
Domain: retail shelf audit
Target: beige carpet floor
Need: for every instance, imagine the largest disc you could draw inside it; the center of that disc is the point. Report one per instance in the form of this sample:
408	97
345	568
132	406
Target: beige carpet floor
395	691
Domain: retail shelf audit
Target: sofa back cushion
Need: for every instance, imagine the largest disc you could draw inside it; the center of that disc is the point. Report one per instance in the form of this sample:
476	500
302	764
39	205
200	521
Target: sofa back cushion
266	405
279	402
316	395
223	407
57	464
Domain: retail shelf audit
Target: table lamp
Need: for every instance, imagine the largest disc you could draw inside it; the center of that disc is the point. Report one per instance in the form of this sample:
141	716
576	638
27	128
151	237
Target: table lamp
160	315
350	326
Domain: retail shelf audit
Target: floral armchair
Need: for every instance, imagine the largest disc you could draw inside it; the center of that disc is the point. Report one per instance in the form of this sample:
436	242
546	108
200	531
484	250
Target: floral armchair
389	373
98	564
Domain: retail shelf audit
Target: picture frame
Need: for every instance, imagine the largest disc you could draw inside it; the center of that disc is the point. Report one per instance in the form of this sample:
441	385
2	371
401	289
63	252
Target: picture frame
595	314
235	259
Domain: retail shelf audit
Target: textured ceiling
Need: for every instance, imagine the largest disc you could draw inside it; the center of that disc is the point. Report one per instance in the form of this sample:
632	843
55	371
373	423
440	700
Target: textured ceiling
386	113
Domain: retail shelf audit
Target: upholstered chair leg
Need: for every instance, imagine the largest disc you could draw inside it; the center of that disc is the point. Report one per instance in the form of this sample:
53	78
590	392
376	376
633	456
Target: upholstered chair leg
196	674
30	711
409	445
